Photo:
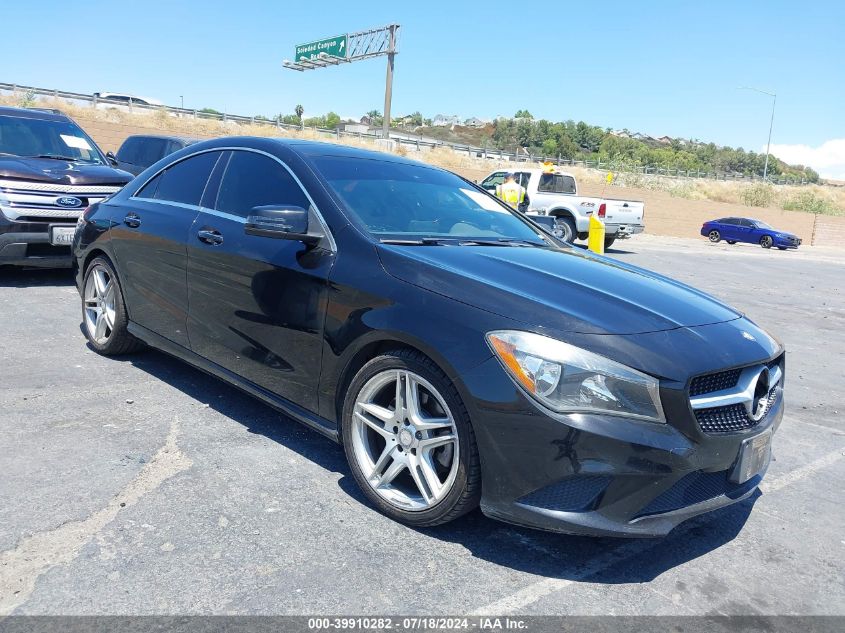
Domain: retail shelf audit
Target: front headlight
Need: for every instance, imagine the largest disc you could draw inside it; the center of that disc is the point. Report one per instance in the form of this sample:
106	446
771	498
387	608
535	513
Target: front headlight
568	379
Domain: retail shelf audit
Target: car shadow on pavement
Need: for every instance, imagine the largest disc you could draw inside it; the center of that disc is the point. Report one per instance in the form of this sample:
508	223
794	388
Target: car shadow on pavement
11	277
575	558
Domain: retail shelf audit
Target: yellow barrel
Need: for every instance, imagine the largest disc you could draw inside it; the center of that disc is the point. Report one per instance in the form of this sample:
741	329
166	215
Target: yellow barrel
595	241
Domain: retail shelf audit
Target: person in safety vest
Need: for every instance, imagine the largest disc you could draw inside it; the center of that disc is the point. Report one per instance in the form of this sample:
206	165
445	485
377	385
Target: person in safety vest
511	192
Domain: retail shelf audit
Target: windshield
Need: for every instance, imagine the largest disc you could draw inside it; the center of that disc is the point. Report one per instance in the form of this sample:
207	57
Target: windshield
411	202
22	136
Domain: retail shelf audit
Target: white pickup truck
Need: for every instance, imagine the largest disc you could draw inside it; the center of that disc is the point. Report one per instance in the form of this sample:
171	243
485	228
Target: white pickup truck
555	194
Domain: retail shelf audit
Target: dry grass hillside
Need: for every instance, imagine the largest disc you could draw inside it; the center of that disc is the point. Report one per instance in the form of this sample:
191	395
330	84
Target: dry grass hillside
674	206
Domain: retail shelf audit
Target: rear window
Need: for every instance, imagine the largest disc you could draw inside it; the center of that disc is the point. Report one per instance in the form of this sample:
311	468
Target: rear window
556	183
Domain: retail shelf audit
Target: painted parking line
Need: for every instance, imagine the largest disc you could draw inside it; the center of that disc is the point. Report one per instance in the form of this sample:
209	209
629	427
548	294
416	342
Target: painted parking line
540	589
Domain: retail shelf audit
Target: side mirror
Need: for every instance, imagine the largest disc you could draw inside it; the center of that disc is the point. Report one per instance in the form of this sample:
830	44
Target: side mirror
281	223
112	158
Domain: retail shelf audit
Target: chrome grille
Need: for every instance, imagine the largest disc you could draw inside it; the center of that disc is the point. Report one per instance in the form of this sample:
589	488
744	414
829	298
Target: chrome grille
738	399
39	201
714	382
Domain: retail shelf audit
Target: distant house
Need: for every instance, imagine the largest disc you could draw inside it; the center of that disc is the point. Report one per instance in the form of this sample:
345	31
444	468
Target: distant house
445	121
664	140
474	122
365	120
620	134
641	137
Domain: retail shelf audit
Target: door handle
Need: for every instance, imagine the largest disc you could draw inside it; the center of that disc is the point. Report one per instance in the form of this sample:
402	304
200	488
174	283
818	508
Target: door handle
132	220
210	236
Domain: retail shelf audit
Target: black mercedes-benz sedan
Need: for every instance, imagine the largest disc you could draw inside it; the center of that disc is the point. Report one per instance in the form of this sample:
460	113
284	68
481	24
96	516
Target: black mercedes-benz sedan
460	354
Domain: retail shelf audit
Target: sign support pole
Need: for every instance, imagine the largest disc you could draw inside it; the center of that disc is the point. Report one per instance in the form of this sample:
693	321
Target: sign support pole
388	86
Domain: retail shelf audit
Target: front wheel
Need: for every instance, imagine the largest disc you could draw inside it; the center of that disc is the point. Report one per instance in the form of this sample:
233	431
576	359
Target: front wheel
104	317
565	229
781	248
714	236
731	242
766	241
409	441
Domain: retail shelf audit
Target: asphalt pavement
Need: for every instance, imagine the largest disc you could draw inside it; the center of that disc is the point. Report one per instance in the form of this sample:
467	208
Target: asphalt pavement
143	486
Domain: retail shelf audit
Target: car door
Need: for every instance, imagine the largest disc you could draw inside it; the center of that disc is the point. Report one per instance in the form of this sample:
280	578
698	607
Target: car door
149	237
257	304
729	228
746	231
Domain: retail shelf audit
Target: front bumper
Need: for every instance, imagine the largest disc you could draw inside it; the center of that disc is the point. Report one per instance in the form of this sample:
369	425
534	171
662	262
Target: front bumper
28	244
787	242
599	475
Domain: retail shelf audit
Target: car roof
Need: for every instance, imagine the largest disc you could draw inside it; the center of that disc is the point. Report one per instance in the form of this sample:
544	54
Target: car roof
34	113
311	149
168	137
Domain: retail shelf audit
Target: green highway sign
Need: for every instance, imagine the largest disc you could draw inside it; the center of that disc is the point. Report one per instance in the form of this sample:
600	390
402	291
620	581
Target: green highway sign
334	46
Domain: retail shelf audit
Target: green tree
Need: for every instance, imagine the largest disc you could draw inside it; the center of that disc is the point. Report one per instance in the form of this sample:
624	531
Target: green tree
298	110
522	114
332	120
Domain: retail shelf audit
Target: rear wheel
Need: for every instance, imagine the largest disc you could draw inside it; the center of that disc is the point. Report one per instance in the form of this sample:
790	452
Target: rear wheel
731	241
103	311
565	228
409	442
766	241
608	241
714	236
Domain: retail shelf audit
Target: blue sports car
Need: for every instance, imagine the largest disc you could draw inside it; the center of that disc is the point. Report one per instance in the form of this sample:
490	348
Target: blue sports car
734	230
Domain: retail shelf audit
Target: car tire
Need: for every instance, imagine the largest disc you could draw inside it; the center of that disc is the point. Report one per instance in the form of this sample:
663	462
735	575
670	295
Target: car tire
766	241
714	236
447	482
104	319
731	242
781	248
566	228
608	242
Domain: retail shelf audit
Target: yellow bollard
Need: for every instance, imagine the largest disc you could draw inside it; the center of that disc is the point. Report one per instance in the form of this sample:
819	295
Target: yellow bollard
595	240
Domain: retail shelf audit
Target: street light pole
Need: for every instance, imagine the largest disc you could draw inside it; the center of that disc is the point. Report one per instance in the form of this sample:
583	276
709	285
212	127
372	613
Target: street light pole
182	97
771	124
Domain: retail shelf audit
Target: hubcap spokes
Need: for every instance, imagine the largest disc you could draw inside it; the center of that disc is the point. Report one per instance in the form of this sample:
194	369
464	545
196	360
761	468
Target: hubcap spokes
99	297
405	440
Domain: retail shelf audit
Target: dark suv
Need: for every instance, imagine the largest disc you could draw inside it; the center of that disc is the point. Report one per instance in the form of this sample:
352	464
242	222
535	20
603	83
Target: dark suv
139	152
50	171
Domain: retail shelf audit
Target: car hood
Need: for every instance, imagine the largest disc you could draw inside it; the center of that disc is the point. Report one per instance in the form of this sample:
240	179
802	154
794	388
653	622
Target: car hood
568	290
61	172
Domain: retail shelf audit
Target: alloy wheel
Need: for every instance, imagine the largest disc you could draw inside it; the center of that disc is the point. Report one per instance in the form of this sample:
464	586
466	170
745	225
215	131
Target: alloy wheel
563	230
405	440
99	298
766	241
714	236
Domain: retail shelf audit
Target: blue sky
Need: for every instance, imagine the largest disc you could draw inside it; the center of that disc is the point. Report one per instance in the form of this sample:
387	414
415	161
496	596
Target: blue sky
656	67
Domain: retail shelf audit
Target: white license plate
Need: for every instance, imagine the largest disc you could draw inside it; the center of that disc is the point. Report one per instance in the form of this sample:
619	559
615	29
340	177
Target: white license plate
754	456
62	235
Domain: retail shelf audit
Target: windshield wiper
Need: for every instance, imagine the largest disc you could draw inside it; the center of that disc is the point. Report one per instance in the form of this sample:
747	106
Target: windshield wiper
426	241
72	159
505	241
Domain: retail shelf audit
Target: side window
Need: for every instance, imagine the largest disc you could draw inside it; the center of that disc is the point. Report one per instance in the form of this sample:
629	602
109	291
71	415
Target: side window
493	180
546	184
148	191
522	178
253	180
747	223
185	181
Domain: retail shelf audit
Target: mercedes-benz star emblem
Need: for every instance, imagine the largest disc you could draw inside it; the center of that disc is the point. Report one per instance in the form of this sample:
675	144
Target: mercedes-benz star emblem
759	404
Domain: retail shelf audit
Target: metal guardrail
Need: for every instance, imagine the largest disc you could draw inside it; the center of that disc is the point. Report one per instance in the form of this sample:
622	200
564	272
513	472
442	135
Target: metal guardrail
403	139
